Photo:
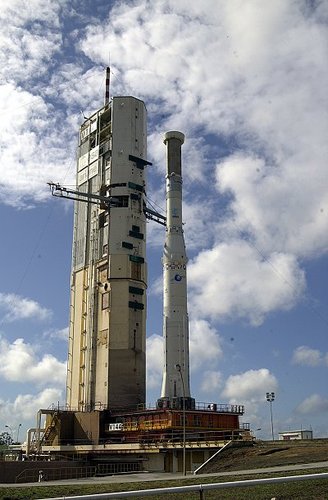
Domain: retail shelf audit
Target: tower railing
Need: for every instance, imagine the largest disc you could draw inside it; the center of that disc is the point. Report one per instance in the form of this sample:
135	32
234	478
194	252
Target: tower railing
199	406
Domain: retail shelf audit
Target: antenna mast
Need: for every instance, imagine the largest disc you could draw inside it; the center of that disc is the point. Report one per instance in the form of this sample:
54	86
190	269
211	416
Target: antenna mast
107	85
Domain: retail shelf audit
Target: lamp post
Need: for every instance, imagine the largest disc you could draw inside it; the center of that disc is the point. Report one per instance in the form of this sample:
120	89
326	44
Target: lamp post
178	368
270	396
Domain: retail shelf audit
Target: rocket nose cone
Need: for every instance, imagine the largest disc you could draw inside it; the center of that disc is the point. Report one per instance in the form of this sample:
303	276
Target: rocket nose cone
174	134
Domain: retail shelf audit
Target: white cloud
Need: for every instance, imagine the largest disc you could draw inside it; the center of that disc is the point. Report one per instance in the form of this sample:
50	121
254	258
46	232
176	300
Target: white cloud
262	106
257	118
58	334
25	52
32	139
74	86
313	404
268	203
155	362
202	335
38	133
211	382
234	280
29	404
19	363
24	408
17	308
304	355
250	386
198	227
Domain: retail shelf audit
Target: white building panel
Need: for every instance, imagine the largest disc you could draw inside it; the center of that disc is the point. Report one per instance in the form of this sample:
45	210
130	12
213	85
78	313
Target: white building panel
93	169
83	161
82	177
85	132
93	126
94	154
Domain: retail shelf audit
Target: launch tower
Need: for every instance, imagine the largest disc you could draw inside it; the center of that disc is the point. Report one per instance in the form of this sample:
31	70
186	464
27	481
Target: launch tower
106	355
106	421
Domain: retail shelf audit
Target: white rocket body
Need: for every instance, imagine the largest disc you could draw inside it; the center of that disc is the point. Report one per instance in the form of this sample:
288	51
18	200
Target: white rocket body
176	385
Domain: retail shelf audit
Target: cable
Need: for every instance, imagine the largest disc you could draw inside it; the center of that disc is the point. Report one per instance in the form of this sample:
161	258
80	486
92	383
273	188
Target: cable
155	206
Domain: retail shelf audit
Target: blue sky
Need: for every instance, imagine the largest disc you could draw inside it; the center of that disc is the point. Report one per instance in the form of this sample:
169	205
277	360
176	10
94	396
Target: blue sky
246	83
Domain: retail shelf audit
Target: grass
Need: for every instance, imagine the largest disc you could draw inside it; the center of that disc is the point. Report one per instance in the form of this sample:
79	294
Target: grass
309	489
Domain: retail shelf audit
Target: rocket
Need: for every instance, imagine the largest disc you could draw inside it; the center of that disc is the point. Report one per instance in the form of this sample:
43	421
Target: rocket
176	381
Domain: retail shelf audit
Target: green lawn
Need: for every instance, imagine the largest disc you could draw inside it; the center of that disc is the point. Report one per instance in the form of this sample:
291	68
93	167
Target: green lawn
310	489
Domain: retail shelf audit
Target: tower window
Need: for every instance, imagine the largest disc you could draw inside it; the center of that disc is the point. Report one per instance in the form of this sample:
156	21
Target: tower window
125	244
136	305
121	201
136	234
135	270
105	300
136	290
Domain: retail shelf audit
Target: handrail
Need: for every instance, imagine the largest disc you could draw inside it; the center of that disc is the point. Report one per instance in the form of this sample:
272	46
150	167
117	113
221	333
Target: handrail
210	407
56	473
196	471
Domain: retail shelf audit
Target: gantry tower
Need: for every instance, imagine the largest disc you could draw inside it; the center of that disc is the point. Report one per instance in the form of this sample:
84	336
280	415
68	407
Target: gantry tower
107	332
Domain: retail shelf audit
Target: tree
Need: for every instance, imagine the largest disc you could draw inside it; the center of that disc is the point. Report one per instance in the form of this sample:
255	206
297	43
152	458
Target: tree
5	439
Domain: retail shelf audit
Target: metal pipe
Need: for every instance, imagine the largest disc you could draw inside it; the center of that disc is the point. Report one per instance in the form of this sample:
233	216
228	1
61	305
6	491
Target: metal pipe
184	470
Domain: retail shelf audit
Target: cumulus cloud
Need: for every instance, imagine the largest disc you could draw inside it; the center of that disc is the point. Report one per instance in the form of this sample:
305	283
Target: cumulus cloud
250	386
264	125
17	308
313	404
32	147
254	130
37	133
211	382
234	280
24	407
155	361
304	355
57	334
19	362
25	53
31	403
268	206
202	335
198	227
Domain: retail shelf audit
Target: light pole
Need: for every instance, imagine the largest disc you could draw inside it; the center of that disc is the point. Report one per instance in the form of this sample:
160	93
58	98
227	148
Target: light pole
270	398
178	368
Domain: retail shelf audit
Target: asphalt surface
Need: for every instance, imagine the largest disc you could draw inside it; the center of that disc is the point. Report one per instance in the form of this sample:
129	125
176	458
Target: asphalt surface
167	476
